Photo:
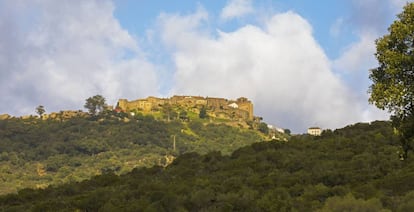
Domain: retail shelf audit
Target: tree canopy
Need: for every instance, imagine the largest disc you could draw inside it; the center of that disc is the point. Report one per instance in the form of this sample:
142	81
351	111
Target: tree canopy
393	79
95	104
40	110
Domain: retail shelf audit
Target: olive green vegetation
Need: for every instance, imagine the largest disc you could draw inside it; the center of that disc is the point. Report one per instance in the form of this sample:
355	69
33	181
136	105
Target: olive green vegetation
95	104
393	79
356	168
35	153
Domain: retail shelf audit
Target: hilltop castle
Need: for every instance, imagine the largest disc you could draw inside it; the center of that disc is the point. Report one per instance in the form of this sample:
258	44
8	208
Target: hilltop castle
242	108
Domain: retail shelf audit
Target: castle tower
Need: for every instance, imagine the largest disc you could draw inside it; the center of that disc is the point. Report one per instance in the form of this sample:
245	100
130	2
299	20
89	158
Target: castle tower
123	104
246	105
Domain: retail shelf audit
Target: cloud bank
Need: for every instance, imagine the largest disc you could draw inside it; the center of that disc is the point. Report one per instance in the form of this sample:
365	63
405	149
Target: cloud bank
58	53
279	66
368	23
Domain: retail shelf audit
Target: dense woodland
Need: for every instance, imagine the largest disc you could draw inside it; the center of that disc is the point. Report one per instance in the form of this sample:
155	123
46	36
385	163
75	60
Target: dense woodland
357	168
37	153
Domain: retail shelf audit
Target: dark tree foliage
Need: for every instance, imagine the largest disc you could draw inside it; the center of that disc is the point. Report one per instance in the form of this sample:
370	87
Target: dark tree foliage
203	113
263	128
287	131
393	79
95	104
40	110
355	168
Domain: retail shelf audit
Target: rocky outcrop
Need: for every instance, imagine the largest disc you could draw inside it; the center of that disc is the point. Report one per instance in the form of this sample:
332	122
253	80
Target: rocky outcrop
5	116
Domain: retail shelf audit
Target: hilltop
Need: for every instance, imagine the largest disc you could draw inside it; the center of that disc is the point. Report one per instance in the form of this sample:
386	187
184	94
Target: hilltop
215	108
236	113
71	146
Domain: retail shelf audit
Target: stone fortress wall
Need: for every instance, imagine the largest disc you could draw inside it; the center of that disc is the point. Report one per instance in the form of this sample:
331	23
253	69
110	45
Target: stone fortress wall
242	108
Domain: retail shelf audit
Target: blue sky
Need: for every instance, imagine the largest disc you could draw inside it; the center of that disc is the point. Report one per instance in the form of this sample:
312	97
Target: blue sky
302	63
139	16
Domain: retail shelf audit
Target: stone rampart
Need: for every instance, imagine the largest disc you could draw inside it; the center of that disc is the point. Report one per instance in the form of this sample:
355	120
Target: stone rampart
242	108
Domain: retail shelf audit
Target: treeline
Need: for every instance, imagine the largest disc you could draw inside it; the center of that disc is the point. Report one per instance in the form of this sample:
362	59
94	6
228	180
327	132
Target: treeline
36	153
356	168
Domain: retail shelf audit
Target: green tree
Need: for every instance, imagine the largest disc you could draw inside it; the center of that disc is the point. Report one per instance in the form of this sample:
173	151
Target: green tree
393	79
203	113
263	128
40	110
183	115
95	104
287	131
168	112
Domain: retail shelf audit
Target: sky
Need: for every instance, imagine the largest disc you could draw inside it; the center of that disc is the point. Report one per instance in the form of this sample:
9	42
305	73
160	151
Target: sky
302	63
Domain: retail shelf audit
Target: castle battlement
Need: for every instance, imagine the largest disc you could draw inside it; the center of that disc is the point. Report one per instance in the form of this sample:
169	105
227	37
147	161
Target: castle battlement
217	107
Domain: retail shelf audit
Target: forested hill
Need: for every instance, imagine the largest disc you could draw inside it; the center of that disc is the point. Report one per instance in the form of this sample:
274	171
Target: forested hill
356	168
36	153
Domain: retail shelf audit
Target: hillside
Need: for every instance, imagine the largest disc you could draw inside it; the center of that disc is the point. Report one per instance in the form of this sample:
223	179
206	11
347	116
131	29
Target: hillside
35	153
356	168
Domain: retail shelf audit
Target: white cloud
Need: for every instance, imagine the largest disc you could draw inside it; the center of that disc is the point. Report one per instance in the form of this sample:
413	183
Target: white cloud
359	55
368	18
59	53
280	66
236	9
177	30
353	67
336	28
358	58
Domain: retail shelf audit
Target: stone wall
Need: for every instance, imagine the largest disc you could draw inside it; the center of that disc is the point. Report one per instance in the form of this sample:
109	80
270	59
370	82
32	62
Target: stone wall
66	114
244	109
